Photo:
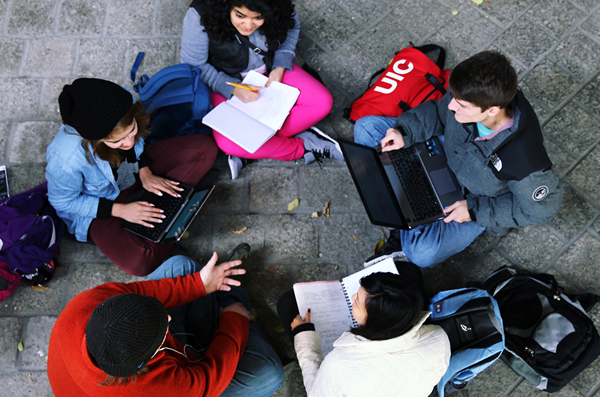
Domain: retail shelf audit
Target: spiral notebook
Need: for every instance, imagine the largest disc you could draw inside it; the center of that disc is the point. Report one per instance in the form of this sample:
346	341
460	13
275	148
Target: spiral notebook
330	302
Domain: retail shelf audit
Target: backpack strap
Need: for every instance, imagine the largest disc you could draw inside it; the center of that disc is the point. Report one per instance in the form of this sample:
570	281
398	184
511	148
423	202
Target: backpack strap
134	69
441	60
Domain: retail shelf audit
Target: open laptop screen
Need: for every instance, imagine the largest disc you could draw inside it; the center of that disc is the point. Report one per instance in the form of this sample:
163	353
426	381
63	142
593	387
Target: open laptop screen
179	227
377	196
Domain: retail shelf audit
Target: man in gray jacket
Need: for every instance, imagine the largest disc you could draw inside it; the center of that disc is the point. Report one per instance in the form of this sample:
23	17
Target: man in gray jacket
494	145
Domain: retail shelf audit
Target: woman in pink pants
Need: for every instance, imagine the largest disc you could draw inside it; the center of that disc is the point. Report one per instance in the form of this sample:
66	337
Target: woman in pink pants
228	38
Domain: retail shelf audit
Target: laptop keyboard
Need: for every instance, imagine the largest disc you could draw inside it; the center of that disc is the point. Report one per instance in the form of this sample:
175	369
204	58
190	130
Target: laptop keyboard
170	205
415	184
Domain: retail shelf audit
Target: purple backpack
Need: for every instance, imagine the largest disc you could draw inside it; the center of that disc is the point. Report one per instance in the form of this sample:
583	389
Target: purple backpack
30	230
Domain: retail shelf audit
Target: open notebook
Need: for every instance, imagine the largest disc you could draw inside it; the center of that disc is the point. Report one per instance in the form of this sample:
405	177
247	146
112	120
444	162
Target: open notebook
330	302
251	124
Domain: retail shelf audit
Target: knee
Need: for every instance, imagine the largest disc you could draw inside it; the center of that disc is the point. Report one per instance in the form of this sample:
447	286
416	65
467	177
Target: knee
363	132
421	254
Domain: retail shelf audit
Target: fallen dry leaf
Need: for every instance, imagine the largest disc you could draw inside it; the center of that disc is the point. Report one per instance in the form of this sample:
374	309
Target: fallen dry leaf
314	215
293	204
478	2
454	12
355	238
378	247
20	346
489	3
31	378
271	267
240	231
40	288
326	210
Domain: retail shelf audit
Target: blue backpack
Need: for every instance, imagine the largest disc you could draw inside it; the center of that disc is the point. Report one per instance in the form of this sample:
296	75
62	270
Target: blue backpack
471	318
175	98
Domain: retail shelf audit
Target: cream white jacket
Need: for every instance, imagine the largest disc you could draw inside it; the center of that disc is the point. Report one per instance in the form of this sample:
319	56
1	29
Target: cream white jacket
408	366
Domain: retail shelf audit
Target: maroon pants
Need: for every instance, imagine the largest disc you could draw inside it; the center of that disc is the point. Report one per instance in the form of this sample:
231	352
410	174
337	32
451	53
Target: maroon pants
185	159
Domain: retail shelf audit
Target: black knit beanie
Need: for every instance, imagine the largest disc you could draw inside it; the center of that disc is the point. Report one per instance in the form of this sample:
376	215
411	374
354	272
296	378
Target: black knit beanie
124	332
93	106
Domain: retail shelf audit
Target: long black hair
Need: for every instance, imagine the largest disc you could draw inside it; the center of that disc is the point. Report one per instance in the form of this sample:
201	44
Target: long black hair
215	17
393	305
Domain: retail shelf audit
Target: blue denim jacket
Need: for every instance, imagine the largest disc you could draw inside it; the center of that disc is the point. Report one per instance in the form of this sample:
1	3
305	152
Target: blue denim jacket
74	185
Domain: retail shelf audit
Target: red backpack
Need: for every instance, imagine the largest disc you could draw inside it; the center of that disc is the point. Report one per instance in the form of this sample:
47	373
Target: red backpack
409	80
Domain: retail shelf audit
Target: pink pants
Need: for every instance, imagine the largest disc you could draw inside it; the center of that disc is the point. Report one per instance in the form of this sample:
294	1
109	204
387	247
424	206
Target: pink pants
314	103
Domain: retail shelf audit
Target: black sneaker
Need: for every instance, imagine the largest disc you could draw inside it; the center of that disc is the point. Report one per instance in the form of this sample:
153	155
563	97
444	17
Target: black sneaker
238	253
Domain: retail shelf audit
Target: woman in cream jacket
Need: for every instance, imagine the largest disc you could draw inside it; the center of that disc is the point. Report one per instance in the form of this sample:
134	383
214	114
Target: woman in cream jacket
390	353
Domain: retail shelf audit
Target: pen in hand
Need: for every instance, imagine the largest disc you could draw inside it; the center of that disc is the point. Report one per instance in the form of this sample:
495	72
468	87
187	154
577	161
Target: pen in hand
241	86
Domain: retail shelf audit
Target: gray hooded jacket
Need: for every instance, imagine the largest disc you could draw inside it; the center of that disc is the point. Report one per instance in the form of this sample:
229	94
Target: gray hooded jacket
508	180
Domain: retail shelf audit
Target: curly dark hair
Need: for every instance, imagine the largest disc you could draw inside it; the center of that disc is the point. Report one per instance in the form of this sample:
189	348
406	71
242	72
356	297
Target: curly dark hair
215	17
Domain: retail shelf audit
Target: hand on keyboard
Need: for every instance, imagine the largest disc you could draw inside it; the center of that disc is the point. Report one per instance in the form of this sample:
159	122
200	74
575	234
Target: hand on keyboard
392	140
157	185
140	212
457	212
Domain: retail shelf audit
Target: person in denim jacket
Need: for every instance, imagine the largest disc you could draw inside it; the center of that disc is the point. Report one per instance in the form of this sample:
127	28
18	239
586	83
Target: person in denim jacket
98	159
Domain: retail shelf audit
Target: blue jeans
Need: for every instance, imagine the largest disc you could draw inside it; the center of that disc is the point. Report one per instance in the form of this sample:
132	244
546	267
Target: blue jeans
259	371
429	244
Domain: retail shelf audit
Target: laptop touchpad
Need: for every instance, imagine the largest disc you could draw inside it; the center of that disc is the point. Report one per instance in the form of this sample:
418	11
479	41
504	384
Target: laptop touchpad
442	181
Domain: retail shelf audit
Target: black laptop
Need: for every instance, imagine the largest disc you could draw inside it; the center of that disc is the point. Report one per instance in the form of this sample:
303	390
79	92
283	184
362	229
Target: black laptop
179	213
403	188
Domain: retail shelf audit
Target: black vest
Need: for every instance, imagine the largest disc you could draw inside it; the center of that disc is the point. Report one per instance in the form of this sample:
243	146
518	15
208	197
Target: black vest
232	57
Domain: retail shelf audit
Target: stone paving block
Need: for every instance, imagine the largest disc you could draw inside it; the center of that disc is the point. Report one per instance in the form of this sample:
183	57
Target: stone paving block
293	384
159	55
518	243
590	95
77	251
4	135
454	53
575	213
412	15
592	25
303	12
49	101
492	261
313	5
549	83
54	55
20	97
26	300
340	100
525	41
31	18
526	389
330	184
469	30
36	342
200	242
271	189
541	111
564	282
130	17
93	62
24	177
585	175
224	240
21	384
579	262
291	237
384	40
587	5
557	16
81	17
343	128
504	10
89	275
228	194
12	51
494	381
9	340
314	54
30	141
366	15
352	69
579	54
333	28
349	237
2	13
169	19
561	160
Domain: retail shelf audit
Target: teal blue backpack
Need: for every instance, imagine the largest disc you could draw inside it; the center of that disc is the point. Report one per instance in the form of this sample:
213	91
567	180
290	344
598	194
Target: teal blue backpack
471	318
176	99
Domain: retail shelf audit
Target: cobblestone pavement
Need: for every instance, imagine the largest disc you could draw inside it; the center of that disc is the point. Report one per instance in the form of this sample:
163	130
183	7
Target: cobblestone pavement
554	45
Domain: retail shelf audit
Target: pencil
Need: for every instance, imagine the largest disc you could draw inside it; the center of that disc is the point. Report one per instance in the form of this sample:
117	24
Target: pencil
241	86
